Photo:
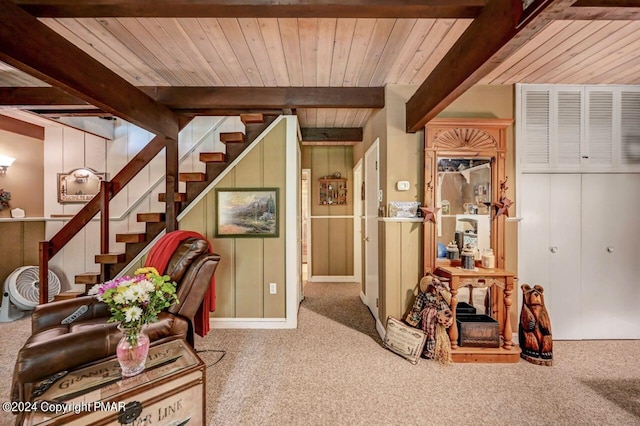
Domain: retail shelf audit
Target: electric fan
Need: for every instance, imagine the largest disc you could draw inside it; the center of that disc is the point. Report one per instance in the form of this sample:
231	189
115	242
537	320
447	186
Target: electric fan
22	292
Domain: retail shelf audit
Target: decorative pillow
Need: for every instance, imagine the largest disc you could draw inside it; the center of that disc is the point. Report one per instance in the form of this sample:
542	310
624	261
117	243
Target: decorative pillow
404	340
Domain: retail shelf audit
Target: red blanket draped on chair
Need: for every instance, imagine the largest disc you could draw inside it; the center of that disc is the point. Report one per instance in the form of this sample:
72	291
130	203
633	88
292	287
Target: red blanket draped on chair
159	257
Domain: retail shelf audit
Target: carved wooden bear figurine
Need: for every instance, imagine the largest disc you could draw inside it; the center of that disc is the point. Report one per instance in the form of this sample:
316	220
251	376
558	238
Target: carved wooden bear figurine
534	332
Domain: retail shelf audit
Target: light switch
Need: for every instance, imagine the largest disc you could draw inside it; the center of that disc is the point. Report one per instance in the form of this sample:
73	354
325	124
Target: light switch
403	185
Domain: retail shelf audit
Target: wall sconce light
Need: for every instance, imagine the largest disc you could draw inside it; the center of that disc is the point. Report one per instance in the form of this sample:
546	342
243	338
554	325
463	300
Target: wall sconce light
5	162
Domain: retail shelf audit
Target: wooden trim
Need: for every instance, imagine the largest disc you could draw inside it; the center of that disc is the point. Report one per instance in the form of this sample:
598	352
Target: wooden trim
501	28
601	9
50	57
20	127
255	8
331	134
247	98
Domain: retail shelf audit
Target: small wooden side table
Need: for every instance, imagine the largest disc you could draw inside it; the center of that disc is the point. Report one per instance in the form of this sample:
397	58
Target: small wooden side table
482	278
171	390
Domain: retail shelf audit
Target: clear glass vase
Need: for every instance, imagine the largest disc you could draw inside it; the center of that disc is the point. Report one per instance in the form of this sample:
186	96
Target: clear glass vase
132	350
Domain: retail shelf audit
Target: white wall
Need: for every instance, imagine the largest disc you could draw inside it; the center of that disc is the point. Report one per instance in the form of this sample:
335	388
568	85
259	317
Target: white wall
67	148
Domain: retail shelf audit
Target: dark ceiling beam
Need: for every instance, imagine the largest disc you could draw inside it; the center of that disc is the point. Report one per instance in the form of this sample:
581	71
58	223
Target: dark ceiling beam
501	28
190	98
38	97
198	99
20	127
331	134
255	8
32	47
601	9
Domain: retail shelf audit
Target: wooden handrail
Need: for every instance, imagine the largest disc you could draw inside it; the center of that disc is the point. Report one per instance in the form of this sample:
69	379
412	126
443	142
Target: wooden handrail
50	248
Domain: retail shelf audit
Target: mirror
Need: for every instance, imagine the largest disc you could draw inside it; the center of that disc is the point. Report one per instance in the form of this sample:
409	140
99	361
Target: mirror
79	185
464	170
463	193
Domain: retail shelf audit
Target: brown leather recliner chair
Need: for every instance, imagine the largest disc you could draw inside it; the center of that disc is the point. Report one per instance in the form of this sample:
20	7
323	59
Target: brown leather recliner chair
61	342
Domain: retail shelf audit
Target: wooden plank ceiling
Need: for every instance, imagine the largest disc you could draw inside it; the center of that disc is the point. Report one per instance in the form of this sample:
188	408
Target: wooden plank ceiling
339	52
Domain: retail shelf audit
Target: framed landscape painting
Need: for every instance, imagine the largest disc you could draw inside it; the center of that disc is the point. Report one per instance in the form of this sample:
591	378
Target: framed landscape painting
247	212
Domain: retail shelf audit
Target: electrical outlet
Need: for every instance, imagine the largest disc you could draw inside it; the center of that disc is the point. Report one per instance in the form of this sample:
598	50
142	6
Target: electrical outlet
272	288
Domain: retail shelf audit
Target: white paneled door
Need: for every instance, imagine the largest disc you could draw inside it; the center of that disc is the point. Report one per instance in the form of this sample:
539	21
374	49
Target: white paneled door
550	241
610	256
372	185
578	240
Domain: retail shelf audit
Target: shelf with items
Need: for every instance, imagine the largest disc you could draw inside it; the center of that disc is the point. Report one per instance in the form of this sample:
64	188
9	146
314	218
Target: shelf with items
332	192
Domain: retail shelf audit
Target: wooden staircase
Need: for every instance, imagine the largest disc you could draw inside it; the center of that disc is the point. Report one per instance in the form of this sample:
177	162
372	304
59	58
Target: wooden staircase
196	182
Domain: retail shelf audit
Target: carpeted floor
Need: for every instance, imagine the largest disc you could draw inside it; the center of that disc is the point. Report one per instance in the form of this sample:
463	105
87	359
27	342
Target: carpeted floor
333	370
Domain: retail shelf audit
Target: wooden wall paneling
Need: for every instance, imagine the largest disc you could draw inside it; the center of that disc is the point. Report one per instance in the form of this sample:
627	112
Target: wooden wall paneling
73	261
95	150
270	31
291	48
336	231
324	53
375	50
408	50
321	117
94	36
72	158
11	247
622	63
196	220
216	36
236	39
116	159
33	233
249	251
320	247
188	43
249	267
308	33
434	36
124	29
169	51
258	50
345	29
601	46
570	47
448	40
396	44
72	30
273	175
226	248
206	52
138	138
92	245
361	37
545	40
52	165
341	117
390	289
410	266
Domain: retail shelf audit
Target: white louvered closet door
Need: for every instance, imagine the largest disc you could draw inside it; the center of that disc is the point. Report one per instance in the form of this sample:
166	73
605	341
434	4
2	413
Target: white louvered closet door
630	128
599	147
566	151
536	126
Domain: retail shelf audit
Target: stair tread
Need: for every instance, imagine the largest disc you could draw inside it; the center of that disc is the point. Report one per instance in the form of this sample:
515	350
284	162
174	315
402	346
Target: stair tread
88	278
179	196
110	258
212	157
131	237
150	217
252	118
192	177
232	137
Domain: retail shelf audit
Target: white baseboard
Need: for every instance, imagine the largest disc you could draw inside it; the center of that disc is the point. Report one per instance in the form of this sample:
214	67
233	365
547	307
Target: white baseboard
257	323
380	328
332	279
363	298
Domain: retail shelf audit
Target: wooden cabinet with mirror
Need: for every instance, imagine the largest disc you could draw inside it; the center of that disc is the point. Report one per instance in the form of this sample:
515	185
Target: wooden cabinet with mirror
464	164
